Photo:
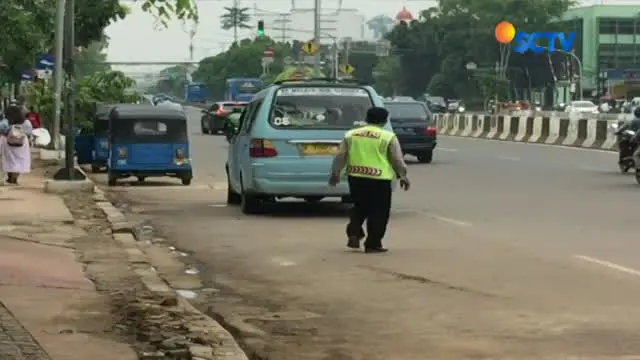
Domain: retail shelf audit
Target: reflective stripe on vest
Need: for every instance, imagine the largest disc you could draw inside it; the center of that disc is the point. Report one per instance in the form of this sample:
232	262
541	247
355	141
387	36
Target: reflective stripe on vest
368	149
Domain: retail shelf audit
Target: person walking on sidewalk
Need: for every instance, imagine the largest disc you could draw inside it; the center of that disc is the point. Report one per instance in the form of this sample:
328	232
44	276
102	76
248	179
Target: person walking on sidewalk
373	158
16	152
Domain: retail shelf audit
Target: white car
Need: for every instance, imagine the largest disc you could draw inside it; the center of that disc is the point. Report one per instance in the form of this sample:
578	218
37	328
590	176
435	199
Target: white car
582	107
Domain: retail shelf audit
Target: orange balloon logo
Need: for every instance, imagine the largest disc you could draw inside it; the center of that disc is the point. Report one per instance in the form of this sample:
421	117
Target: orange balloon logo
505	32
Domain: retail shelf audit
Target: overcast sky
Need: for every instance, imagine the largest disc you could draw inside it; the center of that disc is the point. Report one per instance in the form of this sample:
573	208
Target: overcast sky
136	38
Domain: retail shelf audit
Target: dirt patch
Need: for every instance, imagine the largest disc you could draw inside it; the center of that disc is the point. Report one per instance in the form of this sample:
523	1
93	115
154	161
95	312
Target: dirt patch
155	326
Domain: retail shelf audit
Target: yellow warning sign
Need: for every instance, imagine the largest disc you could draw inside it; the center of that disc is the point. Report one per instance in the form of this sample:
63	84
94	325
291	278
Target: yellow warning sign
347	69
310	47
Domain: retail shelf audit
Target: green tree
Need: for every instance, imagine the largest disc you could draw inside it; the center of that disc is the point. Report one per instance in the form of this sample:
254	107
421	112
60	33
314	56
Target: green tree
172	81
92	59
235	18
363	58
242	59
434	50
99	87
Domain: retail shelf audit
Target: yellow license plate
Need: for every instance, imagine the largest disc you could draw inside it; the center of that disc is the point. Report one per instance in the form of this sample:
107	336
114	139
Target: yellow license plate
319	149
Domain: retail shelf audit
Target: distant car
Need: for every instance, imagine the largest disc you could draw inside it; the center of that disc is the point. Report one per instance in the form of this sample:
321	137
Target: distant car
436	104
413	124
287	138
214	118
455	106
582	107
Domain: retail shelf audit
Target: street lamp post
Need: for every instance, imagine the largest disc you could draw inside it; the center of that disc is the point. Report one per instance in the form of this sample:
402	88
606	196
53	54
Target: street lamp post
577	59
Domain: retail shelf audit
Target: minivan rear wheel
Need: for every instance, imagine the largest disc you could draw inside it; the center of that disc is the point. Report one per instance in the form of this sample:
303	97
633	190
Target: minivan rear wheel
426	157
250	204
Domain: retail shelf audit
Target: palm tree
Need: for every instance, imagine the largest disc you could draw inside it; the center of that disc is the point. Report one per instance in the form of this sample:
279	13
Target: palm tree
235	18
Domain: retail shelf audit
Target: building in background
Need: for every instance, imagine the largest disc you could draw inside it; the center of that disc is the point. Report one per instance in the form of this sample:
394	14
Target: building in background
608	44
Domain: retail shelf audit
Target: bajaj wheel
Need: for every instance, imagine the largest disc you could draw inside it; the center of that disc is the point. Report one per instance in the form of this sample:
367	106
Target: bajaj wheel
141	178
112	178
186	181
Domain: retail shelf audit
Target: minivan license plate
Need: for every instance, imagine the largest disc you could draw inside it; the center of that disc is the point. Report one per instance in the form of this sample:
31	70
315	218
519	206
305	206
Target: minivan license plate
319	149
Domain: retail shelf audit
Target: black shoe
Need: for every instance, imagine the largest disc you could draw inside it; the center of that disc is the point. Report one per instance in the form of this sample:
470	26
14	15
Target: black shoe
354	242
375	250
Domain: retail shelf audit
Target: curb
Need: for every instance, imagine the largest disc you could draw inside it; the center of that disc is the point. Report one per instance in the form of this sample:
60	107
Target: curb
223	345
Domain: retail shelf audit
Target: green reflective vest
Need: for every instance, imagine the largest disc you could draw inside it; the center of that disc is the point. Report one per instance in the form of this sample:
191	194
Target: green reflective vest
368	149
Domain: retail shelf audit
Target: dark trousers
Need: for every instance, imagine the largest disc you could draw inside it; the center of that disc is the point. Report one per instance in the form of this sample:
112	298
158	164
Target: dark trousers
371	202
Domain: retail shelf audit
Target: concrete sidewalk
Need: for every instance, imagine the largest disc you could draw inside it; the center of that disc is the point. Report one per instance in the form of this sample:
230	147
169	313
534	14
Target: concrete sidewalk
48	308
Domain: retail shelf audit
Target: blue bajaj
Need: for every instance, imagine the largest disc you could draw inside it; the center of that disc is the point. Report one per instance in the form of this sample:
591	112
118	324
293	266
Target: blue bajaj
92	145
100	153
148	141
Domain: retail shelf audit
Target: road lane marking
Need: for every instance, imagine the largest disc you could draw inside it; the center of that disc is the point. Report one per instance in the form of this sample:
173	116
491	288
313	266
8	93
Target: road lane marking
447	149
218	205
591	168
282	262
608	264
509	158
449	220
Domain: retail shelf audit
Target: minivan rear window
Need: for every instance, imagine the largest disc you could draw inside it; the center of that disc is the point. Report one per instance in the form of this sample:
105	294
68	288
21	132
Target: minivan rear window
319	107
413	111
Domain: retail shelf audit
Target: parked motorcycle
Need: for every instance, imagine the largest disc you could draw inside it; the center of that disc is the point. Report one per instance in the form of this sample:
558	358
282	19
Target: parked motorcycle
626	147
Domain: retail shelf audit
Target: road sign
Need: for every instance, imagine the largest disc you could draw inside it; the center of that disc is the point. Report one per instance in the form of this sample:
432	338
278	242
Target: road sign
268	53
45	62
347	69
267	61
27	75
310	47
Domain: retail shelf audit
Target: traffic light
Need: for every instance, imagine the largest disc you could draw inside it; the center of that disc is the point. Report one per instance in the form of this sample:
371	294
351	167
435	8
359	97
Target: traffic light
260	28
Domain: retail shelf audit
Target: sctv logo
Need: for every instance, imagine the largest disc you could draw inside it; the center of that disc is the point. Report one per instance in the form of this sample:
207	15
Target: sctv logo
536	42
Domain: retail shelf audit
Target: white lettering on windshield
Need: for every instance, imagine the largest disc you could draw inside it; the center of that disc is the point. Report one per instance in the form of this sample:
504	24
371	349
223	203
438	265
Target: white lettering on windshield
281	121
322	91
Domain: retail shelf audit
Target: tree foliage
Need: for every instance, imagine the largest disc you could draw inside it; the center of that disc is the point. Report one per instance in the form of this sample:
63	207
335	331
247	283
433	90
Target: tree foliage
434	50
100	87
92	59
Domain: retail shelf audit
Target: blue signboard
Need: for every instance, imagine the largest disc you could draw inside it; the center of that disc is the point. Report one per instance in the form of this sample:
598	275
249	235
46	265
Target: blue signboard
45	62
27	75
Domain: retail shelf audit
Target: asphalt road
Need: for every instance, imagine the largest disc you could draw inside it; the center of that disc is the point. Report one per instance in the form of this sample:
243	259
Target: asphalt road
499	251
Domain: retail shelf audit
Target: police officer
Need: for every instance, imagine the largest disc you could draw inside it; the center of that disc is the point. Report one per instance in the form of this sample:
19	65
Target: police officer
373	158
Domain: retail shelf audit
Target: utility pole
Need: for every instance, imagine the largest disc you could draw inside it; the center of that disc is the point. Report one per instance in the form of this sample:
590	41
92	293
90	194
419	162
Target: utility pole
317	9
69	171
283	22
347	49
58	76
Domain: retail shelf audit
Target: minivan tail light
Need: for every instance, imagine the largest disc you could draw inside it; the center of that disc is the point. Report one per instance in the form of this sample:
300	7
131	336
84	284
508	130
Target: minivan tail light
122	153
179	154
262	148
430	131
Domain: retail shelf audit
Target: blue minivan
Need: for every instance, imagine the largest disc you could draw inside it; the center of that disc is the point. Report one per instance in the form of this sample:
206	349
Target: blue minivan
287	137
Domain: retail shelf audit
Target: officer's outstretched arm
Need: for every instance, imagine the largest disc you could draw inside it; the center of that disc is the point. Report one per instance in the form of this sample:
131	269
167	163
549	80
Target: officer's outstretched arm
340	160
396	158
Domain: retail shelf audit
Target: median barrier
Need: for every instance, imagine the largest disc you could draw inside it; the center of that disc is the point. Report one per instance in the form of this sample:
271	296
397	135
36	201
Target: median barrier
564	131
